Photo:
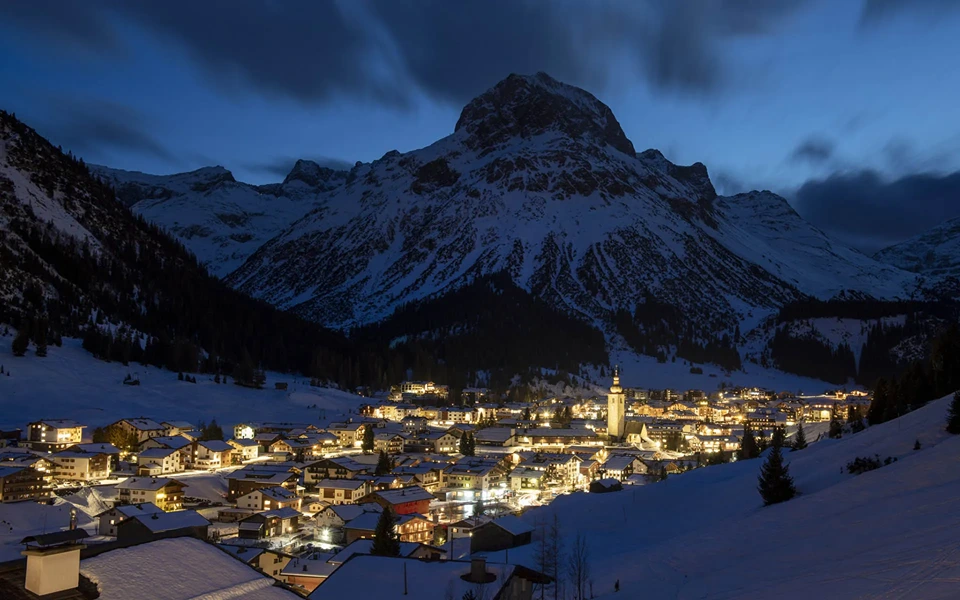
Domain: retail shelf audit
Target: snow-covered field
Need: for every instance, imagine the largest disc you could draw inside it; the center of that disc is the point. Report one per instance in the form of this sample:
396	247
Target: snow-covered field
889	533
645	372
70	384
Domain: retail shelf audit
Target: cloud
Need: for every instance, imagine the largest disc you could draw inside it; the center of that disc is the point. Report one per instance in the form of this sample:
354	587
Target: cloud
92	127
870	213
877	11
815	150
280	166
388	51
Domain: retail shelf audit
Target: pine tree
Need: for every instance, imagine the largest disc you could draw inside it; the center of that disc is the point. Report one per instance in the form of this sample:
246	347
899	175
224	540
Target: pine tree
467	446
367	444
916	445
180	376
878	406
20	343
40	337
800	440
384	464
748	445
385	541
953	416
216	378
775	483
779	437
836	428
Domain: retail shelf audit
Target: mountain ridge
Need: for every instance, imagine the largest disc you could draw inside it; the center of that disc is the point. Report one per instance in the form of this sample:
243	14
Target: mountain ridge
538	180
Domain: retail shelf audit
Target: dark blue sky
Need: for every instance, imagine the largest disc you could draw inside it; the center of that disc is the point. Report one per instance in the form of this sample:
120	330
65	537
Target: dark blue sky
838	104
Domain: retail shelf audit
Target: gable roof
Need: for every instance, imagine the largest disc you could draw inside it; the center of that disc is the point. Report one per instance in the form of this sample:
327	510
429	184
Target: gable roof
383	578
95	448
181	568
146	483
170	441
342	484
414	493
215	445
132	510
157	453
159	522
59	423
511	524
144	424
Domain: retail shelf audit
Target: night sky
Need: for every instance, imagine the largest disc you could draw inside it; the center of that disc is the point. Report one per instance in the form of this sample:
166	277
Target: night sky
847	107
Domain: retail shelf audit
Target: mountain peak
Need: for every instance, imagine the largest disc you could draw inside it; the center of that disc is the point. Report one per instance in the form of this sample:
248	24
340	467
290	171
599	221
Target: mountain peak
312	174
529	105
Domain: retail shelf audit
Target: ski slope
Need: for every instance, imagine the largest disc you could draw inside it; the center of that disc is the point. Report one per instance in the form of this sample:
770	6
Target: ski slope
889	533
70	384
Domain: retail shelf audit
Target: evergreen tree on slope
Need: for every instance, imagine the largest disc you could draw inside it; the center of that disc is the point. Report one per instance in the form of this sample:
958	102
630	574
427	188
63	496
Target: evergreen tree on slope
775	484
953	415
800	440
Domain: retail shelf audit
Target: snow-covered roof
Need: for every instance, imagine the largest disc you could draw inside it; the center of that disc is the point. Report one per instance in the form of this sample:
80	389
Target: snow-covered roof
341	484
283	513
243	442
618	462
168	521
132	510
95	448
146	483
346	512
512	525
156	453
171	441
215	445
277	493
364	546
144	424
178	569
309	567
414	493
382	577
59	423
244	553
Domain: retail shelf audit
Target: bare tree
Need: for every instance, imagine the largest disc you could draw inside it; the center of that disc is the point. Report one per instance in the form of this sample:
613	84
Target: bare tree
542	555
556	557
578	567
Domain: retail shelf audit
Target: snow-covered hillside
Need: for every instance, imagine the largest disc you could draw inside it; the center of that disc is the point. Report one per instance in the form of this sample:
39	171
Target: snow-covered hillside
933	253
71	384
888	533
222	221
540	181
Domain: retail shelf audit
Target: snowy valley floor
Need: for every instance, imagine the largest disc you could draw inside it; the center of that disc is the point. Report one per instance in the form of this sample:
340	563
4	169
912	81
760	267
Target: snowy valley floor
889	533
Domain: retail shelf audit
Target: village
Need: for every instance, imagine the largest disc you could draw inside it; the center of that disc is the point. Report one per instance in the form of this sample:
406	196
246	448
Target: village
295	501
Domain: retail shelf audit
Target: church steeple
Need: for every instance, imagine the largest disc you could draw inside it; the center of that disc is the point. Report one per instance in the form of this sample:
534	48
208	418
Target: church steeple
616	407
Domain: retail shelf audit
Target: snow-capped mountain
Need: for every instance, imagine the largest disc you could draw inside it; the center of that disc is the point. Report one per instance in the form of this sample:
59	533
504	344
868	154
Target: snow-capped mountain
219	219
540	181
935	253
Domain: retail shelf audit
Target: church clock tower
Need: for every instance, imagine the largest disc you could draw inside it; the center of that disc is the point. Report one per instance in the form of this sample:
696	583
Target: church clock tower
616	409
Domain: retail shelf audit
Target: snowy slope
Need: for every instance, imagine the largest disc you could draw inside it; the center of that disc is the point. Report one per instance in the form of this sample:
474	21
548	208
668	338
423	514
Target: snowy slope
932	253
71	384
219	219
889	533
763	228
539	180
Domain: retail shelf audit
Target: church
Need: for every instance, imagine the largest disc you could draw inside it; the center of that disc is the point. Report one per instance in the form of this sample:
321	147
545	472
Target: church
618	428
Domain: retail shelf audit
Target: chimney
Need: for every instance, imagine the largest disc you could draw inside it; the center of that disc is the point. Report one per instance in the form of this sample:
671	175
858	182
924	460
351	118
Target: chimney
54	567
73	518
478	572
